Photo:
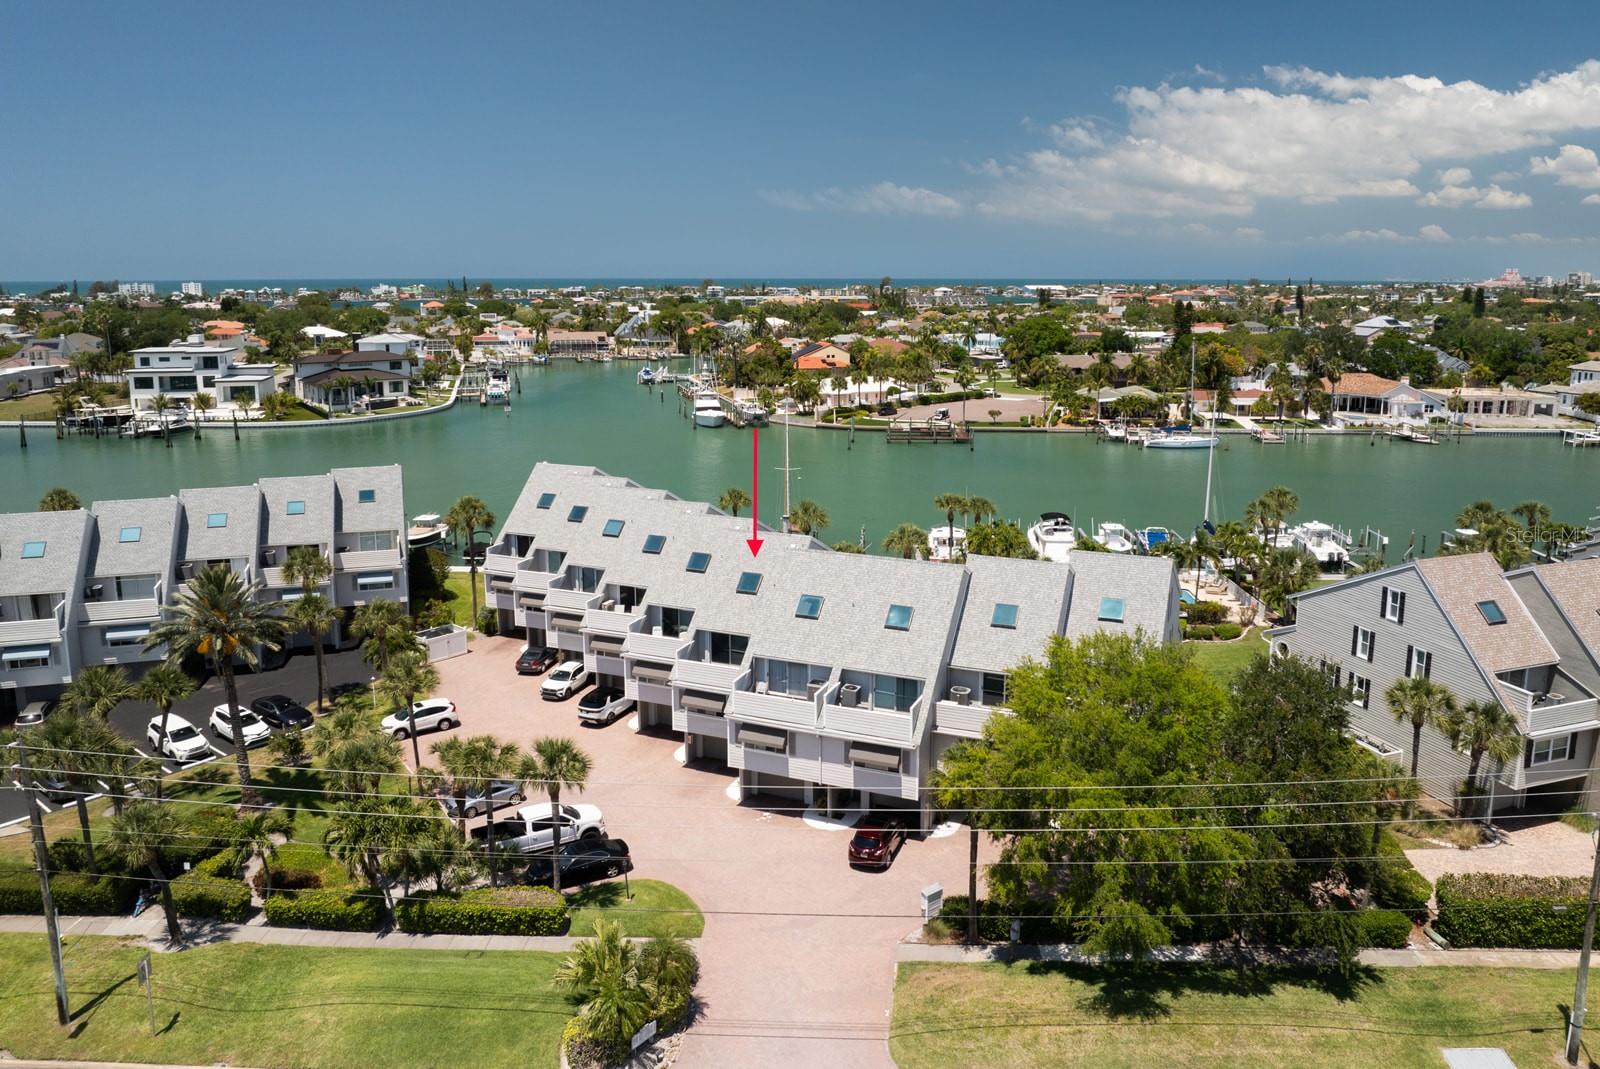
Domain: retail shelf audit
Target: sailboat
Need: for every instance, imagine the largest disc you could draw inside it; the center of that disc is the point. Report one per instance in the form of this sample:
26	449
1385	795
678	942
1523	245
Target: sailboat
1185	438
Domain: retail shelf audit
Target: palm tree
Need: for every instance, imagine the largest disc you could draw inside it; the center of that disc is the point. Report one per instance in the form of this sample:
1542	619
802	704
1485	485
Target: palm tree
362	832
606	972
220	616
555	763
72	742
1483	729
139	835
732	500
1270	510
307	566
202	403
466	518
950	504
161	404
974	509
908	540
316	616
1422	702
344	384
255	834
473	764
1186	555
98	689
384	628
1285	572
807	517
1536	514
348	740
59	499
407	677
163	686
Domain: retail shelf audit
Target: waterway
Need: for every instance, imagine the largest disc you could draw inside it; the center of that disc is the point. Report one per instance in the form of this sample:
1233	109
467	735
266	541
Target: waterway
595	414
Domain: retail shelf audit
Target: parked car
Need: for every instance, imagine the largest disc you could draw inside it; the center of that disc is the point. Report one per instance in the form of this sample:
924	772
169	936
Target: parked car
877	840
602	705
33	714
430	714
533	828
502	792
282	711
568	678
252	729
182	741
536	660
885	410
585	861
55	787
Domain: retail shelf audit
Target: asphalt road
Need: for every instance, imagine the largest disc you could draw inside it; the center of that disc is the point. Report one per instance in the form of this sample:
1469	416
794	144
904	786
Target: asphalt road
297	678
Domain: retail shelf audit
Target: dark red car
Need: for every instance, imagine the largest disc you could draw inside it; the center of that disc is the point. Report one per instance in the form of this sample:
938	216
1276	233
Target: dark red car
877	840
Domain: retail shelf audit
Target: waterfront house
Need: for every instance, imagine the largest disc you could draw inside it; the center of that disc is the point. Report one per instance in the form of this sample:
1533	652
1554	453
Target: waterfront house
321	335
31	371
830	678
578	342
1490	402
398	343
41	351
185	368
1584	371
1372	397
820	356
1528	639
338	380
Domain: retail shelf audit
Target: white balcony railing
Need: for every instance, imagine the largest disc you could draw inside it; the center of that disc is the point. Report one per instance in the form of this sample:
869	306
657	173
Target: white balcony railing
530	580
367	560
46	629
696	723
953	718
1551	712
778	710
709	675
276	578
876	725
121	612
576	600
654	647
613	621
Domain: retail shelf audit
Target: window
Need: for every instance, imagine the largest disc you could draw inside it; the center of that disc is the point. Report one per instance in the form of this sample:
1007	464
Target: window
749	582
545	500
612	529
1360	690
699	562
895	692
577	513
126	636
1392	603
1419	663
809	607
367	541
654	543
375	581
725	648
993	688
183	384
31	550
1492	612
135	587
295	508
217	519
366	497
899	618
129	534
1112	610
144	382
1004	616
1547	751
25	657
1362	642
585	579
209	363
675	622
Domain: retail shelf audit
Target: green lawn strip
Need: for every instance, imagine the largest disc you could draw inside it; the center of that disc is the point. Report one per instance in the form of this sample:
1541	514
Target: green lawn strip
1224	659
311	1007
606	900
1036	1016
458	595
34	406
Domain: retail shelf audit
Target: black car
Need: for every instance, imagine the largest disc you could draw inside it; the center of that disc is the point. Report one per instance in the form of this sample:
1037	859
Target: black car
281	711
585	861
536	660
885	410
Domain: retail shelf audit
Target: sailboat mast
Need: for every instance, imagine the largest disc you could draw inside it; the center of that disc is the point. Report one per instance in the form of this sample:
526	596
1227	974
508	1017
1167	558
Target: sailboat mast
786	469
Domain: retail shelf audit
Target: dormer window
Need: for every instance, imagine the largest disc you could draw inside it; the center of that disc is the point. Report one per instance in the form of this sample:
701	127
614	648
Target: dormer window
1492	613
1004	616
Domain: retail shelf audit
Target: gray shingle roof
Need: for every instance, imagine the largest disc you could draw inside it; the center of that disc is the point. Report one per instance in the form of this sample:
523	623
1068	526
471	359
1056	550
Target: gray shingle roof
66	537
151	551
1147	587
236	540
1575	587
314	526
385	512
1038	589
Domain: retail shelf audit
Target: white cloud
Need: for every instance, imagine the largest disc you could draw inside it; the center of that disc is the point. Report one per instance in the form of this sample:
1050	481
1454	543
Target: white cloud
1593	198
1529	237
1495	197
1574	165
1455	176
1453	192
885	198
1248	233
1433	232
1207	72
1372	235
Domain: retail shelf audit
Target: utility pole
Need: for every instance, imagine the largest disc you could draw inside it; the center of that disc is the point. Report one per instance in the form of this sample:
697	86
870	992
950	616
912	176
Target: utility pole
1575	1019
41	858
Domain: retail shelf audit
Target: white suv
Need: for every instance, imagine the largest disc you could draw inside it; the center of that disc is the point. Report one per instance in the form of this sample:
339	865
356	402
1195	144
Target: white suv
254	730
181	741
566	680
430	714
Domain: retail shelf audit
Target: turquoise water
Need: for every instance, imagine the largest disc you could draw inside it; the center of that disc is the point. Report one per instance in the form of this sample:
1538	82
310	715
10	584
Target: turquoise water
596	414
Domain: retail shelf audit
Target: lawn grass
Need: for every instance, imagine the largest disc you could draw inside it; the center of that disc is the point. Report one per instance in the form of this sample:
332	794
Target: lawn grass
311	1007
605	900
458	595
1039	1016
34	406
1223	660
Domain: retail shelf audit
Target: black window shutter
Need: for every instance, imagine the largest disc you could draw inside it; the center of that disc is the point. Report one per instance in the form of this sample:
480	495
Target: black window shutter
1355	637
1372	647
1427	667
1400	617
1409	650
1383	603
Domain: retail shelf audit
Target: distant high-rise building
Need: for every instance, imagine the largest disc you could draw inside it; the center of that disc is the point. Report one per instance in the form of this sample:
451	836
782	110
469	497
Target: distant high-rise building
136	289
1580	279
192	289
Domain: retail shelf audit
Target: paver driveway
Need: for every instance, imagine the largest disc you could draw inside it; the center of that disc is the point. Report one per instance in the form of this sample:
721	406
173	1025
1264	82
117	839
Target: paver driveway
798	953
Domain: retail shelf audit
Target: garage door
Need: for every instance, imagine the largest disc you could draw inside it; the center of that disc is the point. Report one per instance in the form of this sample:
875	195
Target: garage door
1555	797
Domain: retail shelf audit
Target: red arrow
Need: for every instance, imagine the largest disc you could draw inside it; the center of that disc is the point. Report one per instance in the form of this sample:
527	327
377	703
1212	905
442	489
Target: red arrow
754	541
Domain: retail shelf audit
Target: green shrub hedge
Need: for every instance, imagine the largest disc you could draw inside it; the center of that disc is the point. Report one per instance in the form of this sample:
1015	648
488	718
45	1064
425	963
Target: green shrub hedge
286	880
337	911
1199	632
1383	928
485	911
1489	910
73	894
195	895
1206	612
1396	884
1228	630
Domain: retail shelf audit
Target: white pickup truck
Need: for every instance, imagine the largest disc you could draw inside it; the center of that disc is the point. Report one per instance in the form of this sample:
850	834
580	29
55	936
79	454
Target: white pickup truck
534	828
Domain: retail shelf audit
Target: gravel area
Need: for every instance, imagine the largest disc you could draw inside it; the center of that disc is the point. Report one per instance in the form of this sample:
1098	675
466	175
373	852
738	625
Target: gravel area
1542	848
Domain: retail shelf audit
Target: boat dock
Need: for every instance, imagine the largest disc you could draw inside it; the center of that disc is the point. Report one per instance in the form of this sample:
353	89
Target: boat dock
1581	438
927	430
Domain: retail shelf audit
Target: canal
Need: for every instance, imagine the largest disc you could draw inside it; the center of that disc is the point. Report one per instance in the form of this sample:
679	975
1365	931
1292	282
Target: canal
596	414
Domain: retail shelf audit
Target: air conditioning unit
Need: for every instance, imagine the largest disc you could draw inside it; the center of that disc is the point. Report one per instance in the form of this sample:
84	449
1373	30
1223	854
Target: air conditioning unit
850	695
269	557
814	686
186	571
761	686
607	605
656	631
961	695
93	591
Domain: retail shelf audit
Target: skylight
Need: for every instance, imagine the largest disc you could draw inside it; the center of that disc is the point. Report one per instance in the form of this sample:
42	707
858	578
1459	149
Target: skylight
129	534
699	562
612	529
1492	612
577	514
749	582
295	508
809	608
217	519
32	549
366	497
1004	616
899	618
1112	609
546	500
654	543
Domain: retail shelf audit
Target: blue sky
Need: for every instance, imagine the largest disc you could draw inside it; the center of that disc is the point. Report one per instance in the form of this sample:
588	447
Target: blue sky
1010	140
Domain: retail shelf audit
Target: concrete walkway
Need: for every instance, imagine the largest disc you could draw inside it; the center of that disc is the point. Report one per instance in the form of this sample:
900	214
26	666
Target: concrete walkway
1384	959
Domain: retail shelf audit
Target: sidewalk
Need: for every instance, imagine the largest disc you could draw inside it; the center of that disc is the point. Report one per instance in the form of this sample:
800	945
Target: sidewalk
1387	959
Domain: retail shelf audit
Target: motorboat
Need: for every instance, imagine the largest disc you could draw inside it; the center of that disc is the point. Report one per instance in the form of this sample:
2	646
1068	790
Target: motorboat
150	426
496	391
1114	432
647	375
541	359
427	529
1053	537
1323	541
1115	538
708	410
1180	439
945	542
1151	539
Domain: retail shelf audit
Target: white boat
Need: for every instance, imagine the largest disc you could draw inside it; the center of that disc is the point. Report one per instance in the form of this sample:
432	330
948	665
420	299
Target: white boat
1053	537
708	410
944	543
495	391
426	529
1115	537
1180	440
1114	432
1153	538
539	358
647	375
1323	541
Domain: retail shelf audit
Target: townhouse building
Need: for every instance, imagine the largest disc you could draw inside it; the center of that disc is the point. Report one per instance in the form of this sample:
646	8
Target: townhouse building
86	587
836	679
1528	640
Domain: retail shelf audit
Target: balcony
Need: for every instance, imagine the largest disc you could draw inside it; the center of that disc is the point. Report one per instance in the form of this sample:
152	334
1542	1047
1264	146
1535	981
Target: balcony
1566	706
709	675
276	579
654	647
641	690
529	580
367	560
779	710
565	624
613	621
877	725
45	629
498	584
770	762
578	601
697	723
133	610
953	718
499	560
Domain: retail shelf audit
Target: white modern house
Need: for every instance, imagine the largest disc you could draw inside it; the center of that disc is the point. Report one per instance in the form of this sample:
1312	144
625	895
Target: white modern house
185	368
399	343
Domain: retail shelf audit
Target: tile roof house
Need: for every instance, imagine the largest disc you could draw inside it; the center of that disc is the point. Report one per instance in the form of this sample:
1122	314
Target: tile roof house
821	356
